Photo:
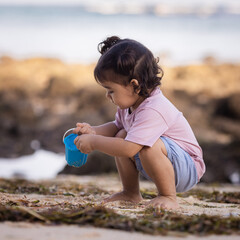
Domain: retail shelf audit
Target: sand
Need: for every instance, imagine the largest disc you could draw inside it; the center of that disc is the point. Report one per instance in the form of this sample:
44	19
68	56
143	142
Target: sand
109	184
26	231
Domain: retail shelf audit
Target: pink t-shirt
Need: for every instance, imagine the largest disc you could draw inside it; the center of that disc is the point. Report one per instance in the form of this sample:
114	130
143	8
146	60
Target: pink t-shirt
156	116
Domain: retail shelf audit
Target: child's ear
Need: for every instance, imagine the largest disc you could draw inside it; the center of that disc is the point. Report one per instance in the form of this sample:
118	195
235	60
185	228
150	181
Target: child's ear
135	84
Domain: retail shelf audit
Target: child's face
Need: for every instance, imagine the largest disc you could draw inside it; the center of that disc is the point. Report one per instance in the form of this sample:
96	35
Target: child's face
122	96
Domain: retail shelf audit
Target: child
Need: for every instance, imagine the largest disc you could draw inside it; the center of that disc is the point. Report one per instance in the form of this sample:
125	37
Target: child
149	135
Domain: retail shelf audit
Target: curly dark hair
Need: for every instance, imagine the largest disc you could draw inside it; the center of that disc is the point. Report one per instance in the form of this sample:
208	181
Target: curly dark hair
131	59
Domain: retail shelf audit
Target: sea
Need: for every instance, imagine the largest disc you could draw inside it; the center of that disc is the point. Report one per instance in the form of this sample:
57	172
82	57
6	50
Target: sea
71	32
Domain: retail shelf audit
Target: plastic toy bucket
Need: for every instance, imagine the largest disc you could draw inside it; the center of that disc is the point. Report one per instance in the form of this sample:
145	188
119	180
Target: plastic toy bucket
74	157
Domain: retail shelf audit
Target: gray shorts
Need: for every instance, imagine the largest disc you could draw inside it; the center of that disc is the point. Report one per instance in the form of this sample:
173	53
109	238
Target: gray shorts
184	168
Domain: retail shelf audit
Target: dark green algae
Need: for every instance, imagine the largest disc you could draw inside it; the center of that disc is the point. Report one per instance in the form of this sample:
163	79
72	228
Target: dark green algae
22	186
214	196
162	223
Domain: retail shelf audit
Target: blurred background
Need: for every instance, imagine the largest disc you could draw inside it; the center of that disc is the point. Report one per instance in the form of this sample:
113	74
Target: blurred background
48	50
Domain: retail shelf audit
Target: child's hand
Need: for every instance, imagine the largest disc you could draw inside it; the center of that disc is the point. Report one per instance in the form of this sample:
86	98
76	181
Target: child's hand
84	128
84	143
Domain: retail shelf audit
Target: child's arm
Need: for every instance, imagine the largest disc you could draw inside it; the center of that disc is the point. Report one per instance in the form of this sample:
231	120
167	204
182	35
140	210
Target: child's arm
86	143
108	129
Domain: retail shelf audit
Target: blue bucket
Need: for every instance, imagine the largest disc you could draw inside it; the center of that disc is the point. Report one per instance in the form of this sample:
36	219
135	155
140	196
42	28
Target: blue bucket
74	157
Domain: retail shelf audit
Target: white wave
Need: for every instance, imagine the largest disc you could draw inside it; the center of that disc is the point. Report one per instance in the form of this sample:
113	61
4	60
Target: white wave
40	165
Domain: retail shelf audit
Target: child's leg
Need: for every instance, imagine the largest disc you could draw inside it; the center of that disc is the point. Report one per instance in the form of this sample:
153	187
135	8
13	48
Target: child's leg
129	176
159	168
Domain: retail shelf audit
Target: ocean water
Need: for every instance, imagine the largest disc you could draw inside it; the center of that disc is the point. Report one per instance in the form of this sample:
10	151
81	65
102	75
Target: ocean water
72	33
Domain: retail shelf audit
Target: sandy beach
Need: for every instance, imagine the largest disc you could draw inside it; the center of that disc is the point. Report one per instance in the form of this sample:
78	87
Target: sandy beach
48	52
68	193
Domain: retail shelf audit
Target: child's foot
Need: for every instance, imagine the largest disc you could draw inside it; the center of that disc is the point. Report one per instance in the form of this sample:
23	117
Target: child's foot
164	202
123	196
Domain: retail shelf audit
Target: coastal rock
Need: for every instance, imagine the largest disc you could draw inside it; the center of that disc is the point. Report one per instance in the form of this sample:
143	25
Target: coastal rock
229	107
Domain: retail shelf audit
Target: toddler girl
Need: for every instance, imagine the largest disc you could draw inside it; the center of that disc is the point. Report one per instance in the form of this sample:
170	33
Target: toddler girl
149	135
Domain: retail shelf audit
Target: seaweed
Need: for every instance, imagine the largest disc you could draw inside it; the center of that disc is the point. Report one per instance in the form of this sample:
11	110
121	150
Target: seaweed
148	194
22	186
215	196
162	223
77	206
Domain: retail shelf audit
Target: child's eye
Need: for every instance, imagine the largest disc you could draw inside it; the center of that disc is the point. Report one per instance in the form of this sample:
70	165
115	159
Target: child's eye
110	92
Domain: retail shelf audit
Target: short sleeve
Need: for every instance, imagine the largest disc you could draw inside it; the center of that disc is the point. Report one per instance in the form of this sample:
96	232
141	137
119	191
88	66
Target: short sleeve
147	127
118	121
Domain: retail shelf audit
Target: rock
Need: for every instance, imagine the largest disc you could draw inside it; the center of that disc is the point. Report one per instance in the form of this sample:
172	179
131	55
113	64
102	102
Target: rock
16	123
229	106
59	87
221	161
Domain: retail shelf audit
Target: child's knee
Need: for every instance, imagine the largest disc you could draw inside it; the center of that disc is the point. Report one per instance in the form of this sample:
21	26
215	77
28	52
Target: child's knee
121	134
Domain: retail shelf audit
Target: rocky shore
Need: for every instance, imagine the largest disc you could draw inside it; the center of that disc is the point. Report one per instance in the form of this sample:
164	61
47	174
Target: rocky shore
41	98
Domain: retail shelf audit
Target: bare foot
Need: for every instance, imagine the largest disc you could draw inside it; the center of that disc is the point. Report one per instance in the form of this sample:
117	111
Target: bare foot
164	202
123	196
